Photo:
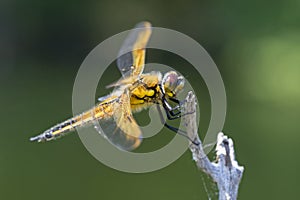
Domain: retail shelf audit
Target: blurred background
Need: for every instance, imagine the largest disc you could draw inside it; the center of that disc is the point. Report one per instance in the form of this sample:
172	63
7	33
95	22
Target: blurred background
255	45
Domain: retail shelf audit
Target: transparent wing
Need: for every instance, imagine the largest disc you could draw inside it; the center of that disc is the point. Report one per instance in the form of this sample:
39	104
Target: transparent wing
121	128
131	57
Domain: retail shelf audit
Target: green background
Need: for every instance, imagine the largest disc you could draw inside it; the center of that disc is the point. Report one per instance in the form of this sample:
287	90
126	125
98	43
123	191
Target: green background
255	45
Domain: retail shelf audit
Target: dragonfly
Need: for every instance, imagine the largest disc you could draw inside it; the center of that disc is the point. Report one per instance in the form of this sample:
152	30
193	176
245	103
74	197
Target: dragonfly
112	116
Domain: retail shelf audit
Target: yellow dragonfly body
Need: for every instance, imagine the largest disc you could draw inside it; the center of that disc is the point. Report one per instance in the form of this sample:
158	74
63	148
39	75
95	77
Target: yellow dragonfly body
112	116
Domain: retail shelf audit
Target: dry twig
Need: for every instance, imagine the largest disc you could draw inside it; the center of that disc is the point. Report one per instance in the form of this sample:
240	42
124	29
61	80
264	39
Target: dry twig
225	172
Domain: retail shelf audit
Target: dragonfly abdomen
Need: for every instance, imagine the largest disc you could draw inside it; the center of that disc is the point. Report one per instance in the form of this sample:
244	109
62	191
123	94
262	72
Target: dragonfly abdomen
98	112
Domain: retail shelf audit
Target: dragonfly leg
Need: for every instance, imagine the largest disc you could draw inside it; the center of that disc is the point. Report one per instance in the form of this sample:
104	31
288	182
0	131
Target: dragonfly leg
171	111
174	129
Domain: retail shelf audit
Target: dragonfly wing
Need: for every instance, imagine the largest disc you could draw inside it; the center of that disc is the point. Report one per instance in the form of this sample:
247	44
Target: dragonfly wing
121	129
131	57
103	98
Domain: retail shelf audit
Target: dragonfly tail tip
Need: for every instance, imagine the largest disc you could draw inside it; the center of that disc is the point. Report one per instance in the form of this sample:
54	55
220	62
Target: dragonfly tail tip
33	139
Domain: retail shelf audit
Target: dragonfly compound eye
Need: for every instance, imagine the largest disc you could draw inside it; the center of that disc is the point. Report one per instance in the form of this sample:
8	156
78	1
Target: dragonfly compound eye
172	83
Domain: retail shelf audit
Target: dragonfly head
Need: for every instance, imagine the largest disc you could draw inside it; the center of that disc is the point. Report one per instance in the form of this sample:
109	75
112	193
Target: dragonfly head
172	84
